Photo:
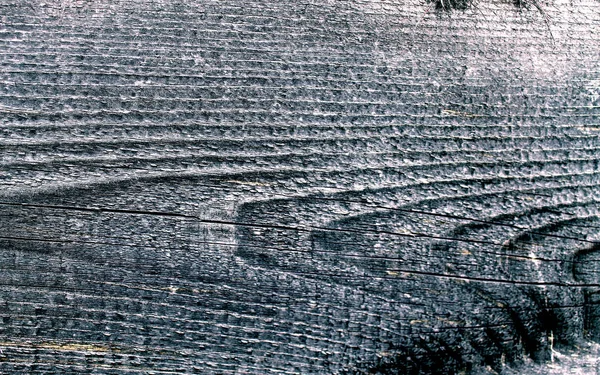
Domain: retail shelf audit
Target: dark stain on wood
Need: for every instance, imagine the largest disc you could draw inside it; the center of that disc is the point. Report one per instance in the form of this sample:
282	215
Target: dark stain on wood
351	187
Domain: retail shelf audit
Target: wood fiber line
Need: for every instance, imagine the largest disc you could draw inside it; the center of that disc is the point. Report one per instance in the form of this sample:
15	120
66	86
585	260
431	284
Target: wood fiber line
324	187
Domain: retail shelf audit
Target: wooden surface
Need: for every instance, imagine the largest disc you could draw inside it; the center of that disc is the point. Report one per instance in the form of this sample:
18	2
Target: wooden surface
255	187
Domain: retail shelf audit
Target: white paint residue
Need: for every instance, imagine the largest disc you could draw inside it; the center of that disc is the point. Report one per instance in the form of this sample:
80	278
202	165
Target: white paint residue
593	90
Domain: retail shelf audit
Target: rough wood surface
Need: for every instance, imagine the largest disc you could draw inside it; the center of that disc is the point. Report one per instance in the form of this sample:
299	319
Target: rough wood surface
299	187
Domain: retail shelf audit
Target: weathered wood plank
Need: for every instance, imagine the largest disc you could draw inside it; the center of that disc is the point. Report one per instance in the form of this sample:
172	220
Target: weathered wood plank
284	187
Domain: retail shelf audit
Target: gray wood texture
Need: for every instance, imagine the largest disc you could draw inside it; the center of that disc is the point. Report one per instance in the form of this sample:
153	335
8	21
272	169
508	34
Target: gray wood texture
315	187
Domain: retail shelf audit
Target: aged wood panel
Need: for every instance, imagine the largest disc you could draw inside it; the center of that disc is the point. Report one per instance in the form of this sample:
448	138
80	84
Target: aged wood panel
299	187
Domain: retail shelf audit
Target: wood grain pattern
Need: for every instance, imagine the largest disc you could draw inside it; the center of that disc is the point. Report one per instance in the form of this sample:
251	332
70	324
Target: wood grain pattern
350	187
